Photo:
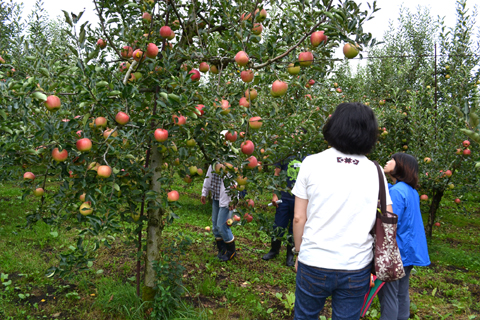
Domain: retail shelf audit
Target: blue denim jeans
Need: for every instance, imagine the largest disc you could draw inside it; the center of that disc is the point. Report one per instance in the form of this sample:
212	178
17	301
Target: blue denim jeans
284	217
220	216
347	288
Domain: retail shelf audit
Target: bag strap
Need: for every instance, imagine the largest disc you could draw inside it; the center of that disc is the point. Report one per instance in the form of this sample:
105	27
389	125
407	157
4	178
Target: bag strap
382	195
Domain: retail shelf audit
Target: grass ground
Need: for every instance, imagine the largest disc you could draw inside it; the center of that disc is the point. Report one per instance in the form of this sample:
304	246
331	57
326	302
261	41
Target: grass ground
245	288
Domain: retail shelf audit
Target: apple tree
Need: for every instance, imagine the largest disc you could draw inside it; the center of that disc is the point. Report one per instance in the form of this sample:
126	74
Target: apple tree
120	110
424	105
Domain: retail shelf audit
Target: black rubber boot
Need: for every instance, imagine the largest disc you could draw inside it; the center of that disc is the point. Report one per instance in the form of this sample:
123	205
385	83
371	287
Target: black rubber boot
222	248
290	257
276	244
231	253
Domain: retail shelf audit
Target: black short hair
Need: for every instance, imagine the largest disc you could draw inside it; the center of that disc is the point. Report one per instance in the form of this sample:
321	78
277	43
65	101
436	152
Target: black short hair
352	129
406	169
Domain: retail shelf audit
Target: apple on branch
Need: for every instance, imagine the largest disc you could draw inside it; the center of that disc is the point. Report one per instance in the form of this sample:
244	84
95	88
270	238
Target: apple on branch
38	192
101	43
293	70
165	32
152	51
86	209
255	122
251	94
247	76
279	88
84	144
247	147
28	176
305	59
104	171
195	75
59	156
173	196
231	137
318	37
241	58
52	103
161	135
203	67
350	51
122	118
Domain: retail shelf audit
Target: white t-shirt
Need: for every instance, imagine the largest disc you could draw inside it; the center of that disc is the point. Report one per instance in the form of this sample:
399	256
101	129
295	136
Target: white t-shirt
342	193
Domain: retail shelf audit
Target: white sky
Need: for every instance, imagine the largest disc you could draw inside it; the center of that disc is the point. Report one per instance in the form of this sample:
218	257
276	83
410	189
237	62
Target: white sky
377	26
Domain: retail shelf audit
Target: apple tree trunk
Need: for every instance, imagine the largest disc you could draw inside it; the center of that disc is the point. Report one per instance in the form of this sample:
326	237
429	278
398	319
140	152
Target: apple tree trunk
154	229
437	197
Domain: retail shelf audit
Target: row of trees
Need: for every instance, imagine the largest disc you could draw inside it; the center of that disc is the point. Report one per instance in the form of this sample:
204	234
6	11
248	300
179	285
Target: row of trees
97	77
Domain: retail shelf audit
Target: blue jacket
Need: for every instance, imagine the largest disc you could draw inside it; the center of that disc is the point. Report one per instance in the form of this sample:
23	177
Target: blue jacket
411	238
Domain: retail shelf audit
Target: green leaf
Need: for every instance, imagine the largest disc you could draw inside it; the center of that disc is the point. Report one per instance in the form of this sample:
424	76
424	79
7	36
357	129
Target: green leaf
116	187
90	264
3	114
39	96
67	18
54	234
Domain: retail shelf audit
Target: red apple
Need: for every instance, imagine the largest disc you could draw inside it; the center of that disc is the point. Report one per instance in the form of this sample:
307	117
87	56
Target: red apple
84	144
127	52
236	218
257	29
152	51
200	107
52	103
350	51
247	147
28	176
203	67
242	134
147	16
101	122
291	69
250	203
251	94
122	118
255	122
448	173
466	152
195	75
179	120
248	217
229	222
82	197
101	43
424	197
311	82
246	16
252	162
427	160
279	88
207	229
459	151
231	137
86	208
241	58
457	201
59	156
466	143
247	75
339	90
165	31
173	196
161	135
318	37
437	224
200	172
38	192
104	171
138	55
244	102
171	37
305	58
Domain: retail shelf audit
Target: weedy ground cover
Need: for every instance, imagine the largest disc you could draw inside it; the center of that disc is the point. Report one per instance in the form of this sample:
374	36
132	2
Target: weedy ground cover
245	288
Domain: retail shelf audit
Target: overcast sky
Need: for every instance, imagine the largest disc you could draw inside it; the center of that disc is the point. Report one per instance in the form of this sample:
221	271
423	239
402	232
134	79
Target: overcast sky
377	26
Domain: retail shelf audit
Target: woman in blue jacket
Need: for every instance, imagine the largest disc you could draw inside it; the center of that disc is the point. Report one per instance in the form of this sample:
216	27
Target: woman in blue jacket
412	242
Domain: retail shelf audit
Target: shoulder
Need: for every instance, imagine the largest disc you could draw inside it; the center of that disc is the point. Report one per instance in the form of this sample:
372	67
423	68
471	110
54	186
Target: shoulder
400	188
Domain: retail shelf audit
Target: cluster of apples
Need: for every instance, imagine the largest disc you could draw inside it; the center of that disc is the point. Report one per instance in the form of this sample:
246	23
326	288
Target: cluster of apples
466	151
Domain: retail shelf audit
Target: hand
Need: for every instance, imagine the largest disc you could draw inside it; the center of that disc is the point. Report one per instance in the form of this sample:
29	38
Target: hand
274	200
296	265
203	200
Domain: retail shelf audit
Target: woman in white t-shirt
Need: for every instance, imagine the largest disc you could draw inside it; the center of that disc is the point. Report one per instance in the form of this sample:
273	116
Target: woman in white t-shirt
336	197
